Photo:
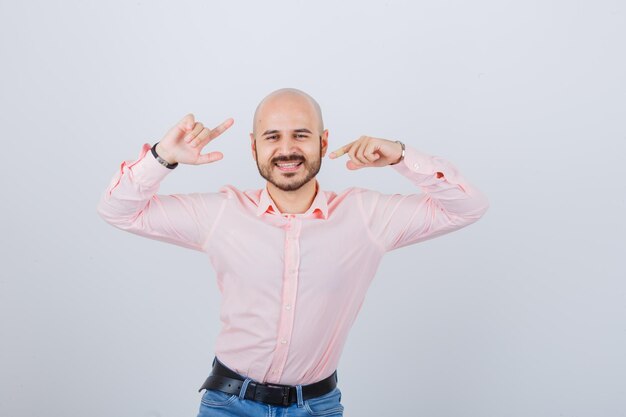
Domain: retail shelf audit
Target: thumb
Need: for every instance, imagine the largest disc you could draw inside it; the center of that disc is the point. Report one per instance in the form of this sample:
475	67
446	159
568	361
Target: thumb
209	157
352	166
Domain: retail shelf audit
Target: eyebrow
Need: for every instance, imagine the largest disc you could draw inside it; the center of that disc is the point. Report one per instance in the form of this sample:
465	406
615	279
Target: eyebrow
271	132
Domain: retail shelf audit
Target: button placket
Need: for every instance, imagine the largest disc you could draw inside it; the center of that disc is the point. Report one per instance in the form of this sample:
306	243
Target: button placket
288	300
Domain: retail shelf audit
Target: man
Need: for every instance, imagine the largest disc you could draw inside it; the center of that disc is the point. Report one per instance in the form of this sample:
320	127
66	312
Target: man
293	261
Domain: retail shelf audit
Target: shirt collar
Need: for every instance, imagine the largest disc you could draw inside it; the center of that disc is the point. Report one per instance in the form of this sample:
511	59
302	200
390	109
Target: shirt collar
318	209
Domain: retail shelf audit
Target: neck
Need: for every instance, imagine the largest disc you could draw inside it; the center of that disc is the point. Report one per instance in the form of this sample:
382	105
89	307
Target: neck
296	201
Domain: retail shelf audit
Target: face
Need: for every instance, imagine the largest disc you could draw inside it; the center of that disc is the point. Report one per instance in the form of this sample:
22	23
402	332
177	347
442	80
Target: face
288	146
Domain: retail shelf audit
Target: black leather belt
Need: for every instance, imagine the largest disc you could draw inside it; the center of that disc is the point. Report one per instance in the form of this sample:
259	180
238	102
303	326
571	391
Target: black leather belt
226	380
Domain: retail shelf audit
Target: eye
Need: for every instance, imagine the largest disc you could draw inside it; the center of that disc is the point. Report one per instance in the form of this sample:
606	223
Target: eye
301	135
271	137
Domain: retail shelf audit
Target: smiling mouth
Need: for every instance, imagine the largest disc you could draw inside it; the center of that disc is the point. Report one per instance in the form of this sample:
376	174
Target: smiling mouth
288	166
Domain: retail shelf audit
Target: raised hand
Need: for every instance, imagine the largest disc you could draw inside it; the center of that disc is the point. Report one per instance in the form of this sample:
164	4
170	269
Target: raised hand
183	142
369	152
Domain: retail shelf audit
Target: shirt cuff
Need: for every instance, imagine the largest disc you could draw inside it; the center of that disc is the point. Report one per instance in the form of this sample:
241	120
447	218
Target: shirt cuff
146	170
419	166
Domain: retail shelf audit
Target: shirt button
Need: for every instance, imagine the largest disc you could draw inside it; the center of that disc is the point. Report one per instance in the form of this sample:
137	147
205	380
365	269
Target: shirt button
416	165
283	341
288	306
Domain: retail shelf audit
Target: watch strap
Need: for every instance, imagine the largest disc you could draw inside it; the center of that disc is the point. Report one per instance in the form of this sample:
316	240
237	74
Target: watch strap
161	160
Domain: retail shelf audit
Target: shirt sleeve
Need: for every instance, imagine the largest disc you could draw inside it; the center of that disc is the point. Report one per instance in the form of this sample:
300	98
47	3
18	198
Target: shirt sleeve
131	203
447	202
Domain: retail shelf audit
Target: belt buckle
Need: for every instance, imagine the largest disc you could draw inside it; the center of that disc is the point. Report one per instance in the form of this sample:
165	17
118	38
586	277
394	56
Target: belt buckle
285	399
269	395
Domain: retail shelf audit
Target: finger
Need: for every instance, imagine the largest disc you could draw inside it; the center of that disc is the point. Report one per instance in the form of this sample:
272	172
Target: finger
358	152
209	157
370	152
192	135
339	152
197	128
187	122
218	130
352	153
336	154
201	139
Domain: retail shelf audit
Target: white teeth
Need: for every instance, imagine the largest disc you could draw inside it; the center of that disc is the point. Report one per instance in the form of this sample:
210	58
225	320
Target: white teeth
288	165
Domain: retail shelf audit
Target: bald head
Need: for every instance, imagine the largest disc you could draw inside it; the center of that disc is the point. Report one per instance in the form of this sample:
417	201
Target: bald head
287	100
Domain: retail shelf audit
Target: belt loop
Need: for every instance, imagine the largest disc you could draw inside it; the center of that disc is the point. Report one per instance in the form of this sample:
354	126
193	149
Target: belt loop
244	388
299	395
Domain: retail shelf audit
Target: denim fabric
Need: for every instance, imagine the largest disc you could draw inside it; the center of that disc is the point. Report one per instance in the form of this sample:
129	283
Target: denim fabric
216	403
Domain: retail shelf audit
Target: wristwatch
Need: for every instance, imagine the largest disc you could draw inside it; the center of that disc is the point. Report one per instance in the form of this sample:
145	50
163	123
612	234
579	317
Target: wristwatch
402	156
161	160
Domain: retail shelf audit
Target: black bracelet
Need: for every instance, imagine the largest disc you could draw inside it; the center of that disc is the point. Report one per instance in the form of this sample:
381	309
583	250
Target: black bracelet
161	160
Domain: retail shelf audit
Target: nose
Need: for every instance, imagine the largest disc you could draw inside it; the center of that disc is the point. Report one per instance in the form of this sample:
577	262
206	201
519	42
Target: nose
287	146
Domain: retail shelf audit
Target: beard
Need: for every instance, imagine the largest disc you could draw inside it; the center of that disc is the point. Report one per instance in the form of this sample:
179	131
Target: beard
290	181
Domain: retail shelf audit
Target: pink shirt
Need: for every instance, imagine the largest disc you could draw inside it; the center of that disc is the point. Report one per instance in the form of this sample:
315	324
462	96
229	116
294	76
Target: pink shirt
291	284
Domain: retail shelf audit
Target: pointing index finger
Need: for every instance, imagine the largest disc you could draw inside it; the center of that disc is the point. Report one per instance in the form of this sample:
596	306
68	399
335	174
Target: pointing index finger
218	130
340	151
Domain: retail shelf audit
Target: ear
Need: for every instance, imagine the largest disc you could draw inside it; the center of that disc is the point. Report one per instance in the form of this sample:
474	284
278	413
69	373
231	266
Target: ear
253	146
324	142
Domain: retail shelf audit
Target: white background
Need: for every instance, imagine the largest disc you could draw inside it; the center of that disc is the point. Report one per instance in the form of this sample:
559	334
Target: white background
521	314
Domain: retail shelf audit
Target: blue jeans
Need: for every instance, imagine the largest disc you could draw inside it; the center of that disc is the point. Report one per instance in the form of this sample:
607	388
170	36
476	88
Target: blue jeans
216	403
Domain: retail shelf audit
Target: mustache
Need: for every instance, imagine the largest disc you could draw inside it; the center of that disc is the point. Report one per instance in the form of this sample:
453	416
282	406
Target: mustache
290	158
